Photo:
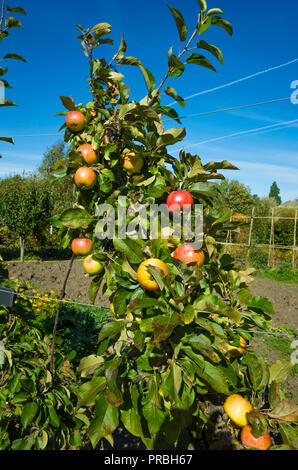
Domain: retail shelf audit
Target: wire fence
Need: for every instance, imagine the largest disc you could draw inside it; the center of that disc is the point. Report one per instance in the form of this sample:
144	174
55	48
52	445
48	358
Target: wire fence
46	300
271	246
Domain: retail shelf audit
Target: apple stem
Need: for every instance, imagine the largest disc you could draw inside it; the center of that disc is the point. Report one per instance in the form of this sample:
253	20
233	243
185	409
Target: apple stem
62	294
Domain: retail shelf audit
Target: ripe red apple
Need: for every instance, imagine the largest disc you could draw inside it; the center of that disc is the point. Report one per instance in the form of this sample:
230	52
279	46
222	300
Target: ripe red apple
249	440
75	121
92	266
88	153
177	199
85	178
81	246
187	254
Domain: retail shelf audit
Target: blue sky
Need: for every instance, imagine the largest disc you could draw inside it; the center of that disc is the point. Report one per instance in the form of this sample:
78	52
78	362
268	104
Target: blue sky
265	36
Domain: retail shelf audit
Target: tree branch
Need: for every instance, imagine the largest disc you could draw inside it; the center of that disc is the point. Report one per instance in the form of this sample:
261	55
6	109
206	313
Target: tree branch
171	68
62	294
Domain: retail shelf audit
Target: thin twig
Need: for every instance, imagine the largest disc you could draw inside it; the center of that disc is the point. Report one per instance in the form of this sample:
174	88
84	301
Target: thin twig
62	294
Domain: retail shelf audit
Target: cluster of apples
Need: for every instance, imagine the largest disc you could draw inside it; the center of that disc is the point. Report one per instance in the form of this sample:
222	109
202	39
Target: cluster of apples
237	407
85	177
175	202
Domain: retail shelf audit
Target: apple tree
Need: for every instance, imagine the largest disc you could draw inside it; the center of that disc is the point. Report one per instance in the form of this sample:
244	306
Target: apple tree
25	207
170	350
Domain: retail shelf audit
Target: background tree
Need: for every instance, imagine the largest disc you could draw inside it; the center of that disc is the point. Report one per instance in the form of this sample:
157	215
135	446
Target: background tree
51	157
274	192
25	207
62	192
8	22
236	196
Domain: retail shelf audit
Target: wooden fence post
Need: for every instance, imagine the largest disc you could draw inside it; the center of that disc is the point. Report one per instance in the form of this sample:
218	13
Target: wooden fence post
250	236
294	242
271	241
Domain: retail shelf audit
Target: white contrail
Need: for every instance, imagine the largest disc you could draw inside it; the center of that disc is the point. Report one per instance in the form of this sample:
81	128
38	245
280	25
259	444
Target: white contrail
250	131
239	80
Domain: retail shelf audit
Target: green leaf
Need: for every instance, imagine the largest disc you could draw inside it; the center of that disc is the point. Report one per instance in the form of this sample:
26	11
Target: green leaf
23	444
180	23
130	248
203	25
215	11
113	394
154	416
75	218
131	418
214	50
171	137
7	139
203	5
105	422
54	419
7	102
14	56
3	71
94	287
226	25
286	410
262	303
101	29
162	325
148	77
88	392
289	435
223	165
170	91
176	67
200	344
89	364
199	59
173	381
16	10
120	301
205	189
215	378
68	103
145	302
28	413
170	112
244	296
122	48
111	329
280	370
129	60
258	371
157	189
12	22
258	422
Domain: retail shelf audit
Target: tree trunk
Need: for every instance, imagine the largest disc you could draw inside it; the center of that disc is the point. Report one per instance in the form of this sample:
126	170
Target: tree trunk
22	248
